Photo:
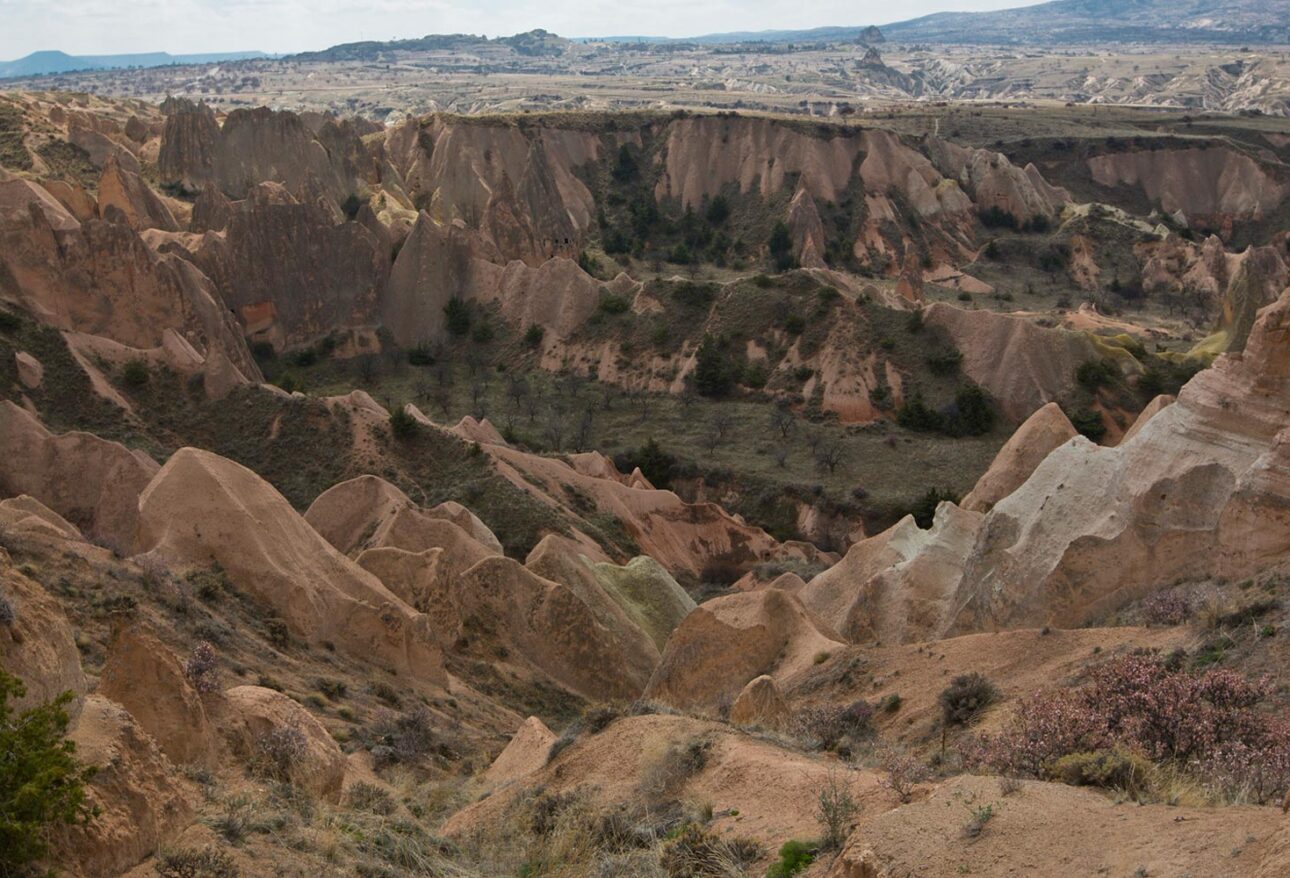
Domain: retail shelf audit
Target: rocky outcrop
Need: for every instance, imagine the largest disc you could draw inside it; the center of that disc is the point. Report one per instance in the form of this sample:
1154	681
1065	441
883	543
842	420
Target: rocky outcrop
516	185
1046	429
1211	186
249	713
146	678
292	261
898	586
526	753
124	191
201	509
142	802
259	145
93	483
1022	365
101	278
370	513
759	704
37	644
995	184
729	641
500	603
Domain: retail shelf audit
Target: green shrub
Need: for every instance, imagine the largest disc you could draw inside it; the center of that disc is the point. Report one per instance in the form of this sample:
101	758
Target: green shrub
482	333
944	362
41	782
533	335
1093	374
611	304
1089	423
924	509
781	247
457	314
713	372
135	373
794	857
402	424
1116	769
421	355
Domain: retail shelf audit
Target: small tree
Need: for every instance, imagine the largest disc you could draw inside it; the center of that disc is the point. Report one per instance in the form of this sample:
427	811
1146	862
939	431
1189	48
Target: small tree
711	374
41	782
457	313
402	424
835	810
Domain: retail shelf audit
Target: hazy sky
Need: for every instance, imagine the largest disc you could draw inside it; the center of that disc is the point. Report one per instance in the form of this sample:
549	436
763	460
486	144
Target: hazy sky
101	27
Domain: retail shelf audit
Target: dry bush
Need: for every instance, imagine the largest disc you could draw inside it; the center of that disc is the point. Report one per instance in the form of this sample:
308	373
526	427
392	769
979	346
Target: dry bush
832	726
405	737
194	863
369	797
696	853
278	752
667	773
836	810
902	772
965	698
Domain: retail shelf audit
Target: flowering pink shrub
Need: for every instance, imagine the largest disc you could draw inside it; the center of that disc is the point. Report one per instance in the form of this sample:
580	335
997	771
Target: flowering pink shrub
202	668
1209	723
1172	607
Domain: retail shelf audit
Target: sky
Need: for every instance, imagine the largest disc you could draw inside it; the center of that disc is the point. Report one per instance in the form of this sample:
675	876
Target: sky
109	27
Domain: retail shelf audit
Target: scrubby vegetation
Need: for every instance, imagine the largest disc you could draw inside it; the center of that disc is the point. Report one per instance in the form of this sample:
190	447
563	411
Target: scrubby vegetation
42	785
1140	711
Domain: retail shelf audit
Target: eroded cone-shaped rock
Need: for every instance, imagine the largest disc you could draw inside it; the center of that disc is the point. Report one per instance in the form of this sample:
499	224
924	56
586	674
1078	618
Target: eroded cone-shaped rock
250	720
141	799
141	207
37	644
144	676
23	514
1022	365
420	579
526	753
1043	431
731	640
93	483
501	602
202	509
759	704
899	585
647	594
1153	408
559	559
368	513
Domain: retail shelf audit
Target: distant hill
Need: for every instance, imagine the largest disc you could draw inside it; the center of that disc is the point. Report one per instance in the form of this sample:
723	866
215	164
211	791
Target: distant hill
44	63
868	35
1095	21
533	43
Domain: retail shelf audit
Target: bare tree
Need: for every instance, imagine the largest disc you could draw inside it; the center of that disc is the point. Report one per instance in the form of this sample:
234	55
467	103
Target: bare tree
422	390
554	431
443	399
782	420
478	390
532	405
585	426
712	440
721	424
830	456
